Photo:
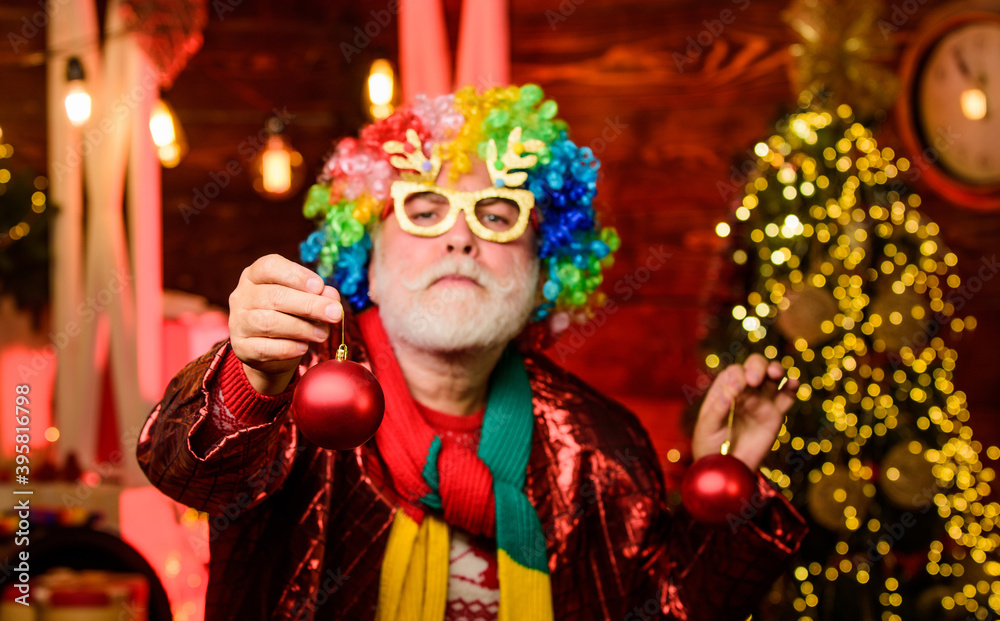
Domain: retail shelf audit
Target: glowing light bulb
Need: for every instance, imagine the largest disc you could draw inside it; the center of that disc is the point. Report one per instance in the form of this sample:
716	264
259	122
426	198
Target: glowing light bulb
381	85
77	103
973	102
161	125
77	99
167	134
276	166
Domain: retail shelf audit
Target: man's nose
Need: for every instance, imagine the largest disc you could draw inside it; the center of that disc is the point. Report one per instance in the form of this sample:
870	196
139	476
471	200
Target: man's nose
460	238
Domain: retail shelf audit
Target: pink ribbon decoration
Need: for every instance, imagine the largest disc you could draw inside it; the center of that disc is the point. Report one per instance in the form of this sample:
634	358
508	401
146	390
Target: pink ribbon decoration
483	57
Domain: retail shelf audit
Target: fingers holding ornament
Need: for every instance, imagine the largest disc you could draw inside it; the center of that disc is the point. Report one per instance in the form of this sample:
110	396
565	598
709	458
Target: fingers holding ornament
773	385
715	407
768	376
717	486
762	394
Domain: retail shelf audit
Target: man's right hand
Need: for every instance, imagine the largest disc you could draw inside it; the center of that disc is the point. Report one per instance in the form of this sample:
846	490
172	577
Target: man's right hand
276	310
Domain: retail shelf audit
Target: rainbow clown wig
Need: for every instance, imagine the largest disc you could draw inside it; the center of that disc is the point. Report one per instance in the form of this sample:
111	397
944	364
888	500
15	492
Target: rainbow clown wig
354	190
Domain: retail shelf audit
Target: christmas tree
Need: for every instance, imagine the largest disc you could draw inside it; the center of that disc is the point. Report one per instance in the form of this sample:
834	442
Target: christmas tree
836	273
24	236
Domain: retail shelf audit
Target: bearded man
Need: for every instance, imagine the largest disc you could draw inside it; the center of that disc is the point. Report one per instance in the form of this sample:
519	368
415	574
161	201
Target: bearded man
454	238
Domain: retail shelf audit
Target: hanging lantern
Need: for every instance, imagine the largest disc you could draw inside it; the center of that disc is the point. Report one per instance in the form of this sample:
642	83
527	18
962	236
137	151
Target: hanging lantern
171	145
278	169
381	88
77	97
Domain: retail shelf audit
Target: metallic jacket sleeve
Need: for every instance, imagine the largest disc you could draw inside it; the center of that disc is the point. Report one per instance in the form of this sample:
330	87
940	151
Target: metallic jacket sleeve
704	572
237	473
617	551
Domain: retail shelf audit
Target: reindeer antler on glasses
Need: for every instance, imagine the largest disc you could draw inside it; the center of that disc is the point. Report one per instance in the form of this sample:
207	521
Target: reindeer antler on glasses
512	160
423	169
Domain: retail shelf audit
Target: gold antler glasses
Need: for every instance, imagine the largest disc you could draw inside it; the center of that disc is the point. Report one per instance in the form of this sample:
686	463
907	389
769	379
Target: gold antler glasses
498	214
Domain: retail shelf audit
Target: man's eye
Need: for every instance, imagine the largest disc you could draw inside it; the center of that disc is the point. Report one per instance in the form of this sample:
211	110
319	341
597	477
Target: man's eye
425	216
497	214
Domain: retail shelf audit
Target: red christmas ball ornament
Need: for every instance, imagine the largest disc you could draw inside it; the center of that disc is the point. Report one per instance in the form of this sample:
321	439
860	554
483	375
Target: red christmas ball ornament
716	487
338	404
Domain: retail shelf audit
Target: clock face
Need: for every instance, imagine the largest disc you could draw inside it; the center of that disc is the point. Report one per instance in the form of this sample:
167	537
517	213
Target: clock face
958	101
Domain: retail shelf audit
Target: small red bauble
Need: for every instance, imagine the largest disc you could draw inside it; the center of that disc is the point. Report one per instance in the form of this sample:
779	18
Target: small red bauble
338	404
716	487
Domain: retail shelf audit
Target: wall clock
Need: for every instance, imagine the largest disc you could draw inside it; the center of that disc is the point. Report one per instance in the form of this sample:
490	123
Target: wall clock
949	108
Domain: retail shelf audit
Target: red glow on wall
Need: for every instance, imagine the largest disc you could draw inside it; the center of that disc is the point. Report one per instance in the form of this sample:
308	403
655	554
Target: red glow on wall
36	369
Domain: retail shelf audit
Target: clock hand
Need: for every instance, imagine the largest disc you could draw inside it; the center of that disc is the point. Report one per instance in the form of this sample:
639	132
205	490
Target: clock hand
962	67
982	87
978	83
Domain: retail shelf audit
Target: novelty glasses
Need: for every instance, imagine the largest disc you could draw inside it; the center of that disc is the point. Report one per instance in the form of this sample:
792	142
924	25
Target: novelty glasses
494	214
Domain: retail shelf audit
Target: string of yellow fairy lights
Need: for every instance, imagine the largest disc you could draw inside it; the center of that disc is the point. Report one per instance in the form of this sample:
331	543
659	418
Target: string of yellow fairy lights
38	199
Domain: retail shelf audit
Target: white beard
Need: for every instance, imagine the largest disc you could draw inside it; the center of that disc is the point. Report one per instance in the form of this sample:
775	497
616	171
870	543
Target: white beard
447	318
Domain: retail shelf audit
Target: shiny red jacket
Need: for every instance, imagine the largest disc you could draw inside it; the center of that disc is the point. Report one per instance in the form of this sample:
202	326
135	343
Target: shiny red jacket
299	532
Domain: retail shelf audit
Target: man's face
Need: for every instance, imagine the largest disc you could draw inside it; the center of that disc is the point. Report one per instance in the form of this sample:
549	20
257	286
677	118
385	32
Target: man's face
454	292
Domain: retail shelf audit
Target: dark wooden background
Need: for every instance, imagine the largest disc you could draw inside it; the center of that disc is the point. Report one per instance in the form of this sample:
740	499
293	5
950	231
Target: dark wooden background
670	133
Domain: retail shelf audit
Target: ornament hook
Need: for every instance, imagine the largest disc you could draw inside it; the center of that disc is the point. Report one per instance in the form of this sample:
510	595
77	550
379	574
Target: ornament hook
342	350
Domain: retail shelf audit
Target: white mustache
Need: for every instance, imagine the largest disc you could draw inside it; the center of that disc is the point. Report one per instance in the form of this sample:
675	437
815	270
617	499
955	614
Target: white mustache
460	265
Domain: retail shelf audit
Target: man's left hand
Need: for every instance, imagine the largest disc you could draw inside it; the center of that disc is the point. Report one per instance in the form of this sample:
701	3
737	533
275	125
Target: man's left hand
760	410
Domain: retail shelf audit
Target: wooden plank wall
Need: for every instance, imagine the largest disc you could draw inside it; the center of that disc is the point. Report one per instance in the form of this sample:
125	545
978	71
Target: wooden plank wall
667	132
